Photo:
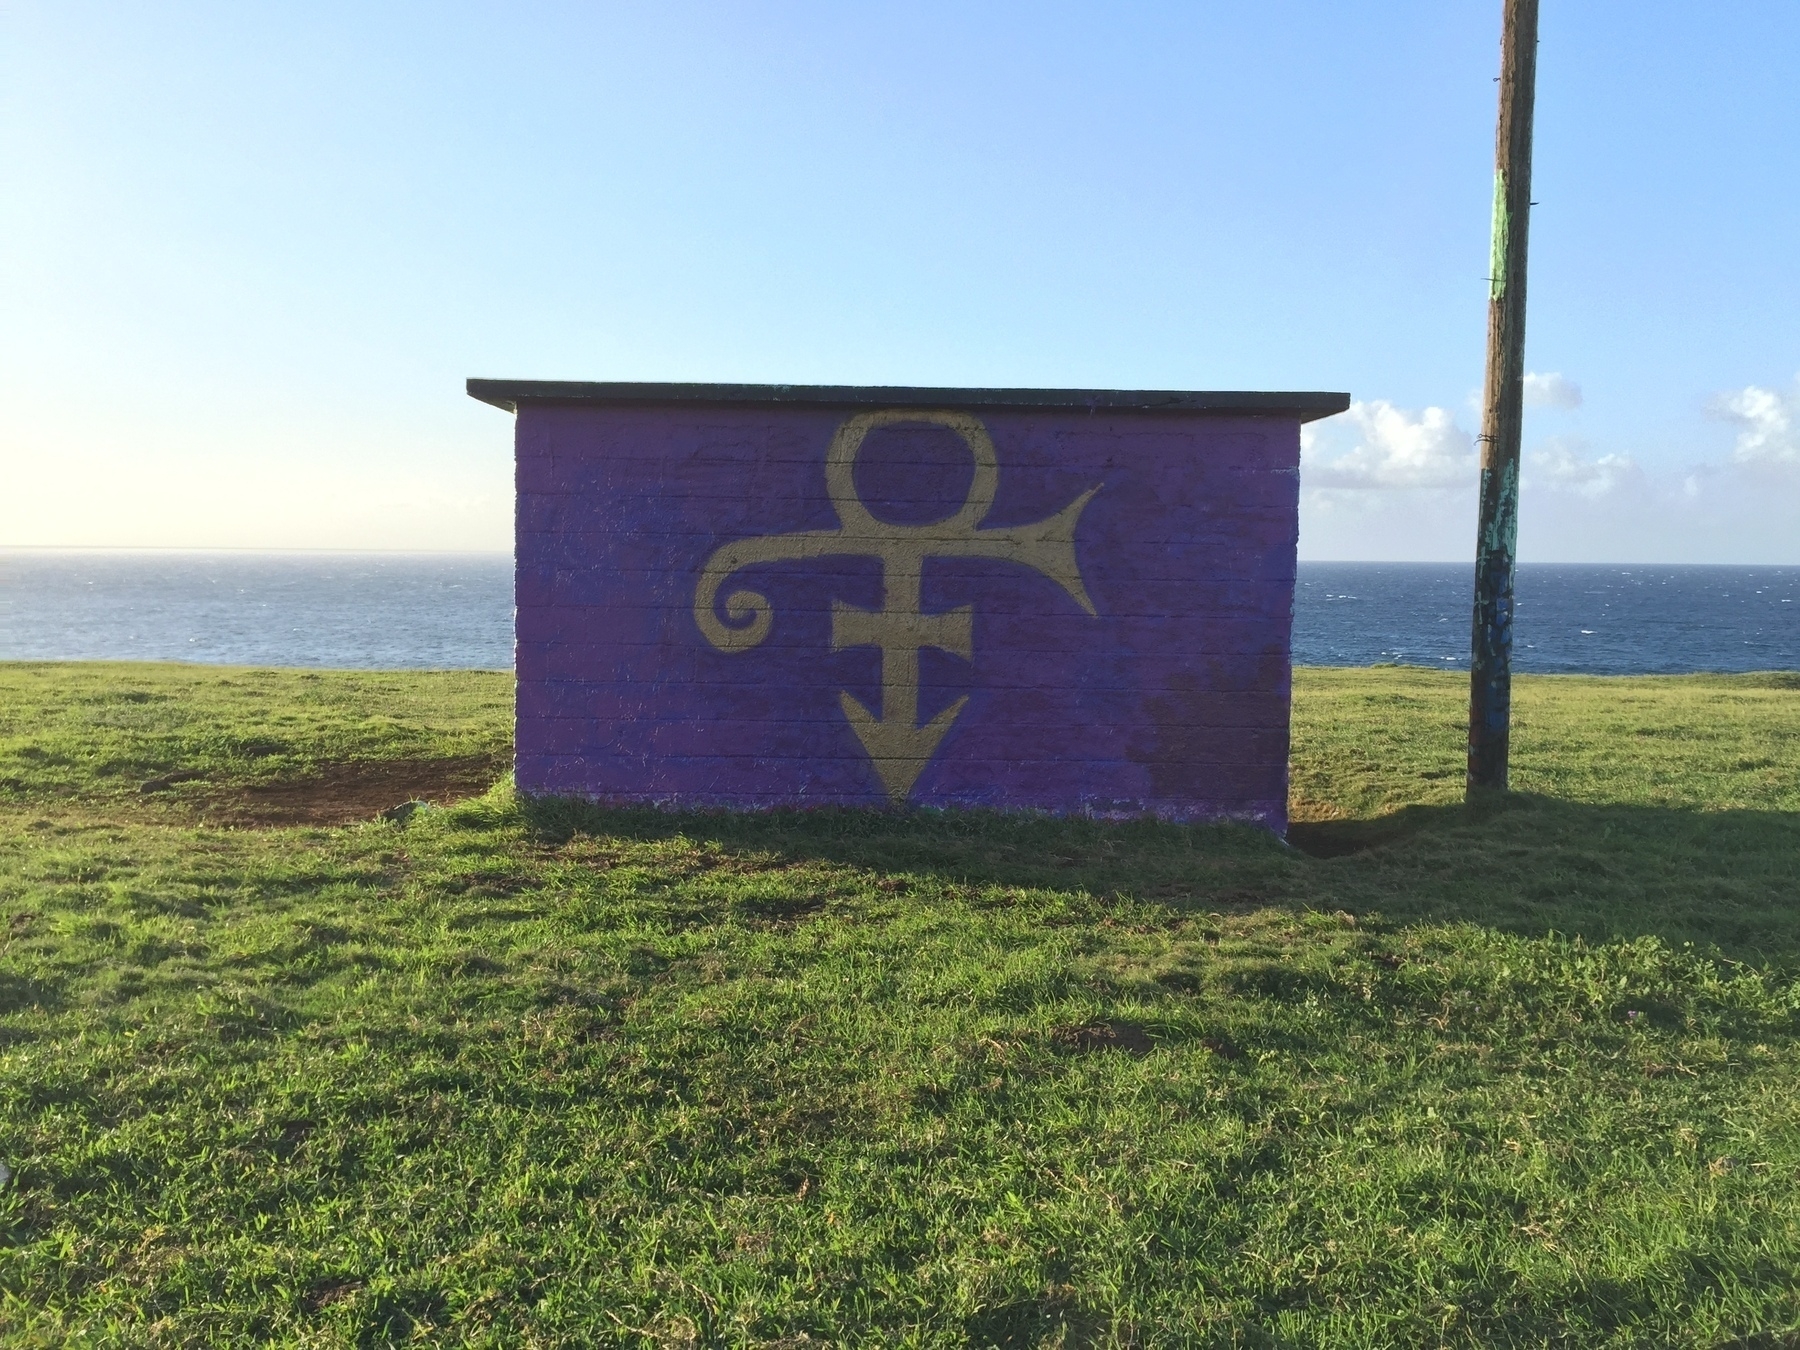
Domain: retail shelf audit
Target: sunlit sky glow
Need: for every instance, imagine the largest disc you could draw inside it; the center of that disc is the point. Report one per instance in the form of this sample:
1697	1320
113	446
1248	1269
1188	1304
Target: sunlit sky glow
248	254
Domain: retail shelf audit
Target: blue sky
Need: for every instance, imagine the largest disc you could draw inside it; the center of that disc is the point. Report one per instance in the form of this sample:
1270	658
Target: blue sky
249	253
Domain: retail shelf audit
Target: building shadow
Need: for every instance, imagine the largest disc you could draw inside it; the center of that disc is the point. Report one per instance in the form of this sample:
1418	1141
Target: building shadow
1725	881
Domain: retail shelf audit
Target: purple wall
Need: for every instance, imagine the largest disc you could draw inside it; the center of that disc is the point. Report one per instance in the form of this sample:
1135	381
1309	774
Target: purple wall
1109	637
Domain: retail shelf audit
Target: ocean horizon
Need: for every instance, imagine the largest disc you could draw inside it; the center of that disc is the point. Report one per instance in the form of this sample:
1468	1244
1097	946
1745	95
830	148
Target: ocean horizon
369	610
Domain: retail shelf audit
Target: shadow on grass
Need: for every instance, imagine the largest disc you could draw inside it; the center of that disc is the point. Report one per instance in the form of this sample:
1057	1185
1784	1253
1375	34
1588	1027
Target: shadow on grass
1233	864
1342	838
1727	881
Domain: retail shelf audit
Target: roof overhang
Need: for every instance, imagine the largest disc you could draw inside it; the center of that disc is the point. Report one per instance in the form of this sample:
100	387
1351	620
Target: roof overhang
1306	407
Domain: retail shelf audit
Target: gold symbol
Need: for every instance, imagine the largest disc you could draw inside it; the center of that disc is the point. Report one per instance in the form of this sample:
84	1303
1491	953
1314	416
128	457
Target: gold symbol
898	747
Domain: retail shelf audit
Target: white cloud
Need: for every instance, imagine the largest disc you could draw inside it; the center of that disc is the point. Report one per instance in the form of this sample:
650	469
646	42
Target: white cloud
1552	391
1385	483
1560	465
1768	425
1393	448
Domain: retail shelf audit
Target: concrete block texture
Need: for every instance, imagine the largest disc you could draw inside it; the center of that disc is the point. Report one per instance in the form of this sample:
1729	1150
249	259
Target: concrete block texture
751	605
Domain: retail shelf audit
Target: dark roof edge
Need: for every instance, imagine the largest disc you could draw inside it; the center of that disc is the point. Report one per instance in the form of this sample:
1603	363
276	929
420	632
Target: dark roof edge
509	394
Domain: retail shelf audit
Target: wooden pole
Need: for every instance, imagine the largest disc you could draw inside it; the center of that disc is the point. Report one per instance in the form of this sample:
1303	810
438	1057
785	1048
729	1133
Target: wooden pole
1490	664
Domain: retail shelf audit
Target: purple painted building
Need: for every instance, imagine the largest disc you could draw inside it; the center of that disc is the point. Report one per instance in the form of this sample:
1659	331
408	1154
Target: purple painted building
1074	601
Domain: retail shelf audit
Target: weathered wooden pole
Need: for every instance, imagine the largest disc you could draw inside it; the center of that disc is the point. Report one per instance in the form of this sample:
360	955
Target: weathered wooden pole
1490	664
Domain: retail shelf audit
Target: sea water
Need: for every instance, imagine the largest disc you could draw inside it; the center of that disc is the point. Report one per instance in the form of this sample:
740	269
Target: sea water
369	610
1568	619
377	610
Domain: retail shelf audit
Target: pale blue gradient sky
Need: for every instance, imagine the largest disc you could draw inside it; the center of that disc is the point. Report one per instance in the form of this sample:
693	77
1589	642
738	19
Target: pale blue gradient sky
249	253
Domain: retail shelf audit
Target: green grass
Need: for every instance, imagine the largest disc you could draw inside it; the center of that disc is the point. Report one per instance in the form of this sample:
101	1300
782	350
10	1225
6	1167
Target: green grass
1373	740
92	732
536	1074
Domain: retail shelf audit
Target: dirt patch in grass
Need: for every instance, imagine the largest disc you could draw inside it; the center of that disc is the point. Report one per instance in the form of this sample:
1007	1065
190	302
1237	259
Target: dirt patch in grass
328	1292
1091	1036
344	793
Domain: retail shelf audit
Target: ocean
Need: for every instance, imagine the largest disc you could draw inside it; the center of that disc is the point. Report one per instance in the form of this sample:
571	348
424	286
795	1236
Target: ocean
1592	619
368	610
386	610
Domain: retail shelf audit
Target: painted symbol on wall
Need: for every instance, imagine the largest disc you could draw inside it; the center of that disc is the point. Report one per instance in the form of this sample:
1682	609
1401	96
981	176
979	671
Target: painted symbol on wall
896	744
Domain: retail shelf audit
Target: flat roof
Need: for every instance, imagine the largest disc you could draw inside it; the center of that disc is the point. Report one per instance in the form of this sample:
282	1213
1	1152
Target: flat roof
509	394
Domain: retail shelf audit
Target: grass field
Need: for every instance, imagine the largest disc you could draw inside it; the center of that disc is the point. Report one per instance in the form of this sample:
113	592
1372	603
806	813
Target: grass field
274	1070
